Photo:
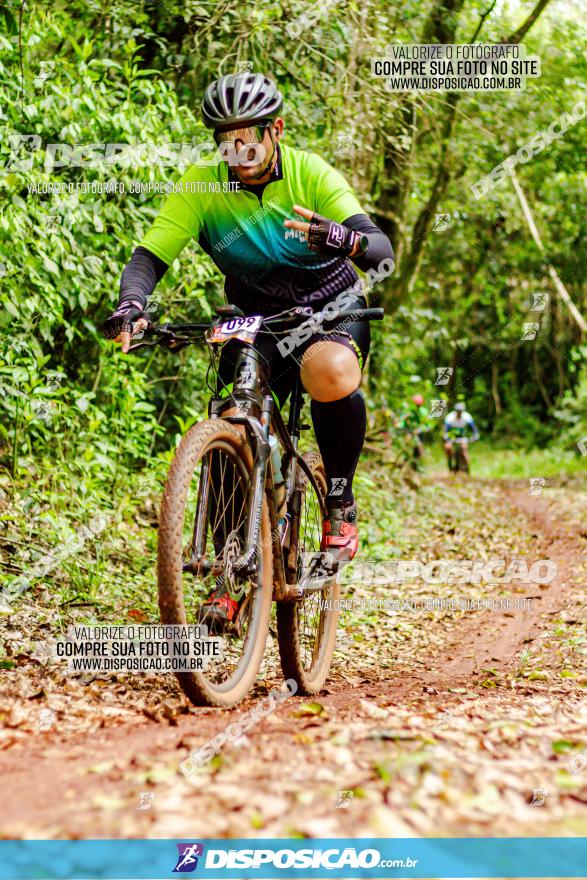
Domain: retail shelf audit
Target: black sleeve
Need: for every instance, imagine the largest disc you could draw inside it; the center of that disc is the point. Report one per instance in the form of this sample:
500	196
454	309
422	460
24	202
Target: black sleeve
379	246
140	276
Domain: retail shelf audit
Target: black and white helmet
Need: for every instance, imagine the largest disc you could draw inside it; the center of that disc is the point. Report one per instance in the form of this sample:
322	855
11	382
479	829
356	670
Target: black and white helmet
240	98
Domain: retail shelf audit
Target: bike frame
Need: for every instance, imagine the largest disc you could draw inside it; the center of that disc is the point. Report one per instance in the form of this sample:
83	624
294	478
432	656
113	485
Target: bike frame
251	393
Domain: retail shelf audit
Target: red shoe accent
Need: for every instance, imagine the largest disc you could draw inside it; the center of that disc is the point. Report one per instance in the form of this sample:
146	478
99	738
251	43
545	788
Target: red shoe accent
223	606
340	534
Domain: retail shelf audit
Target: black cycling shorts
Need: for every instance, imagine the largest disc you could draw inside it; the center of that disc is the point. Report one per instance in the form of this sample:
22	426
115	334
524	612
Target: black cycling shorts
282	369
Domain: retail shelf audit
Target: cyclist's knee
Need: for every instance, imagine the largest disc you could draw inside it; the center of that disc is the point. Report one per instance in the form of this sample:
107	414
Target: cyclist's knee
330	371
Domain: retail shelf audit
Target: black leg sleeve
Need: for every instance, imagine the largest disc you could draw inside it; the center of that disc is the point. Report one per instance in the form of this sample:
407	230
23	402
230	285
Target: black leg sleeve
340	428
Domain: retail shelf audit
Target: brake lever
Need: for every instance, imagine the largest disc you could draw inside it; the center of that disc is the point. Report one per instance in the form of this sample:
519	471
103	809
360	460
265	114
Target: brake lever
139	345
140	336
176	344
291	316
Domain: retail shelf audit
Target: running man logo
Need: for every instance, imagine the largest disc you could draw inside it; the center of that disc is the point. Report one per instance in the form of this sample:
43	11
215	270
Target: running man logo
343	799
54	383
17	143
344	144
530	331
187	861
242	408
144	487
443	375
46	71
539	302
47	719
539	796
441	222
337	485
43	410
437	408
152	306
52	222
444	720
146	799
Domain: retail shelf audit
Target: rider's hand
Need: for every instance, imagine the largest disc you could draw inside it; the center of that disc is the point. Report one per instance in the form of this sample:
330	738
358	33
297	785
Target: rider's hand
325	236
128	320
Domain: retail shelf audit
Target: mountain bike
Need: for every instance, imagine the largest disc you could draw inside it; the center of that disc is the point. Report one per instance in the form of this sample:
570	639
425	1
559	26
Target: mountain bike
226	521
458	459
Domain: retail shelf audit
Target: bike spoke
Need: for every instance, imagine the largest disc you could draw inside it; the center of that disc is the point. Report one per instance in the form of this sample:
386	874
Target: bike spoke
225	525
226	516
311	617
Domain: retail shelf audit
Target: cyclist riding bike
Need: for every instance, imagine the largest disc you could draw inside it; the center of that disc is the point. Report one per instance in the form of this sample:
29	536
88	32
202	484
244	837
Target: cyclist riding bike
242	212
413	422
457	426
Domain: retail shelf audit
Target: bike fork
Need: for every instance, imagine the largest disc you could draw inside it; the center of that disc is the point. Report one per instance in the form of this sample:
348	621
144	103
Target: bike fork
247	561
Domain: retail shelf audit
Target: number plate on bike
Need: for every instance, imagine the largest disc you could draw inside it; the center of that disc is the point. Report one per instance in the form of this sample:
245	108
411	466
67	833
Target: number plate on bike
244	329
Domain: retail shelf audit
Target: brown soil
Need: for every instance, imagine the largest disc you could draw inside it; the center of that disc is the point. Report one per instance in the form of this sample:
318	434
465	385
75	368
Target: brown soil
452	739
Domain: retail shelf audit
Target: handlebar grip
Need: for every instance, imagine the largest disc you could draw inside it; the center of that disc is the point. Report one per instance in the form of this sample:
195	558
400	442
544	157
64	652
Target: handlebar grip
358	315
369	314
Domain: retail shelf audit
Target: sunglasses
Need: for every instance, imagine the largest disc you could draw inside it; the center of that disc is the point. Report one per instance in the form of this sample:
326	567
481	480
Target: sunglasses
253	134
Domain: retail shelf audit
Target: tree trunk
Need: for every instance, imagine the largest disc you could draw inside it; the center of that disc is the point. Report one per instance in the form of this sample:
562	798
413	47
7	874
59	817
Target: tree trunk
495	389
441	27
558	285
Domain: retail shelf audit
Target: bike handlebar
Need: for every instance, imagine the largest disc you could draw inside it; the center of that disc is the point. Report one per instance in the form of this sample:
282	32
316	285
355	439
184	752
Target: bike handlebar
177	336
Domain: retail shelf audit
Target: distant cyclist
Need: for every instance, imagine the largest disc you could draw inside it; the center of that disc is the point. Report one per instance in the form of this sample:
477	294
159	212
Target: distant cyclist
413	422
285	229
459	426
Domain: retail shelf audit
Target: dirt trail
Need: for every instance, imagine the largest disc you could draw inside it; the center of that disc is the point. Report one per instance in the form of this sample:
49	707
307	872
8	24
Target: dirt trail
444	724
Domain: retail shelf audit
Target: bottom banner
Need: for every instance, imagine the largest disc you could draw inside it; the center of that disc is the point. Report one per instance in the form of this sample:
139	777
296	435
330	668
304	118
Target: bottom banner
258	858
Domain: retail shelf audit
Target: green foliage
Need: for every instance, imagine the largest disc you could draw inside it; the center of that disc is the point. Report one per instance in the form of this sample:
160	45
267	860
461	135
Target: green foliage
79	421
572	412
62	253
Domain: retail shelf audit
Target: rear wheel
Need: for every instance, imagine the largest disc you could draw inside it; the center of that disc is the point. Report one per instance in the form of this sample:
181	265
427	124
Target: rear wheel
306	629
211	472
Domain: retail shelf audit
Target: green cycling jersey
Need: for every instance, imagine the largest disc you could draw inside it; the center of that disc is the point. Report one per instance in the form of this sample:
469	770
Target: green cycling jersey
241	229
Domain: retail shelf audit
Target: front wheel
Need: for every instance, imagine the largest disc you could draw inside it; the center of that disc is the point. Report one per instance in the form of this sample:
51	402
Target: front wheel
202	526
462	460
306	629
